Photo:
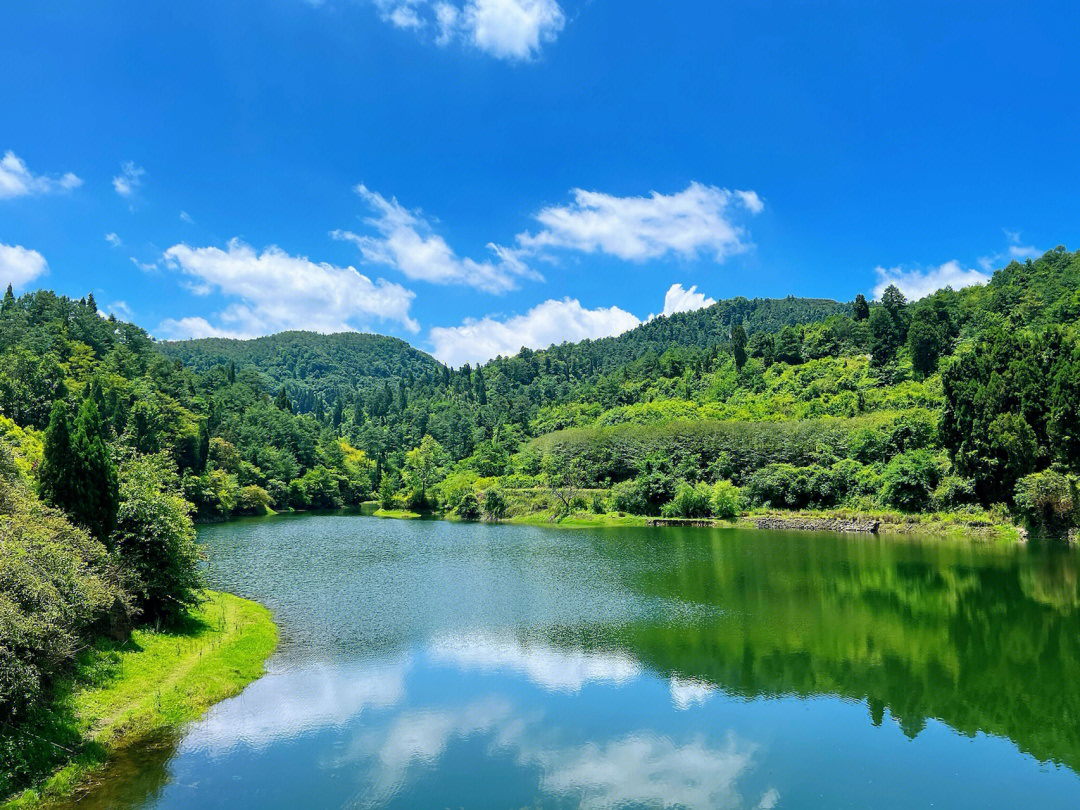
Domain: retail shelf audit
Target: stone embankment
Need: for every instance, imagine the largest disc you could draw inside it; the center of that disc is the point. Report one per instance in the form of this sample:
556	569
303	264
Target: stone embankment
812	524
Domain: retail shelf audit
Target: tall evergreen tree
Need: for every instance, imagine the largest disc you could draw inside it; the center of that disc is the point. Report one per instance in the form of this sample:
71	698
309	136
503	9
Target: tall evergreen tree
861	310
738	345
54	480
93	474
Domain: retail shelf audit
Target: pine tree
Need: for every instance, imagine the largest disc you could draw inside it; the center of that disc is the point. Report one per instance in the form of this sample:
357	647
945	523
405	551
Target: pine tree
282	401
93	474
738	345
77	474
9	300
54	481
861	309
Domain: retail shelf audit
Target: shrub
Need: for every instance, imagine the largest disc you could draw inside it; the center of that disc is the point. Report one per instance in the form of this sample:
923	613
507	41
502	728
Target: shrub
909	480
785	486
689	502
726	500
468	507
495	505
627	496
253	500
1048	501
954	491
599	505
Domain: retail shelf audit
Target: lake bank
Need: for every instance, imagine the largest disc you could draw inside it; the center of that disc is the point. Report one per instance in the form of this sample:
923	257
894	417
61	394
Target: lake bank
156	682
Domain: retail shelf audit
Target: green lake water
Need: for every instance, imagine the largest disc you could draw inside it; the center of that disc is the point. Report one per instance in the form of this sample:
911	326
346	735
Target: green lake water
429	664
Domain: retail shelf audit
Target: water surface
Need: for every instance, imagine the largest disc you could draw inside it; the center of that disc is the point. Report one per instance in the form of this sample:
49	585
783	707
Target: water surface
436	664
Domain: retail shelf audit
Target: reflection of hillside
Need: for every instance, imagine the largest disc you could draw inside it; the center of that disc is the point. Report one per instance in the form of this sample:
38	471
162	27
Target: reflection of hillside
981	639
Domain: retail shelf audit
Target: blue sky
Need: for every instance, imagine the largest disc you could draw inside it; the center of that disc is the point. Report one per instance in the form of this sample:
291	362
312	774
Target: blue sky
474	175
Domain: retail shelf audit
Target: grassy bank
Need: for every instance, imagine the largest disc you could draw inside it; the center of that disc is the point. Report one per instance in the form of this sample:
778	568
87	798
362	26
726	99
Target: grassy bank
120	694
397	514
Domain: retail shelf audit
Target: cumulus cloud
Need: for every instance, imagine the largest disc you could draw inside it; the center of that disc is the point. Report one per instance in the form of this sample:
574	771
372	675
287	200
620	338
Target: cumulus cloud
679	300
129	180
700	220
19	266
514	30
405	241
16	179
918	283
547	323
277	291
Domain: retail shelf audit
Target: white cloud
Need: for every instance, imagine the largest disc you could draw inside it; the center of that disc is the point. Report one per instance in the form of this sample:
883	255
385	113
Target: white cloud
514	30
407	242
1014	252
113	239
545	324
698	220
16	179
679	300
146	267
186	217
554	669
277	291
129	180
121	310
917	283
19	266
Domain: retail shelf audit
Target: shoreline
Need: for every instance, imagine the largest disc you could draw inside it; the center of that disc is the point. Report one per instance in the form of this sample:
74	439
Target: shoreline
153	684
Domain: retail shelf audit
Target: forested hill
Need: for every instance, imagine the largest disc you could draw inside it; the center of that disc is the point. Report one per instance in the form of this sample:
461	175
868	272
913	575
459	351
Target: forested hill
701	329
315	368
309	365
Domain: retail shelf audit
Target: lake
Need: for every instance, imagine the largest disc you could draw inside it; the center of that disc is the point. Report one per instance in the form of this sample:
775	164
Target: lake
449	665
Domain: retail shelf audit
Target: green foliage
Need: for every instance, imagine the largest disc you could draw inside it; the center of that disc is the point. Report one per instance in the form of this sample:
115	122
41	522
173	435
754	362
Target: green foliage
1049	502
468	507
910	479
689	502
495	505
726	500
56	584
155	539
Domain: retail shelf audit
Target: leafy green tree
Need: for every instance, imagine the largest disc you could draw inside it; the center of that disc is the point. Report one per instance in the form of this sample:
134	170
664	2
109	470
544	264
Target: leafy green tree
1049	502
789	346
424	463
909	480
155	539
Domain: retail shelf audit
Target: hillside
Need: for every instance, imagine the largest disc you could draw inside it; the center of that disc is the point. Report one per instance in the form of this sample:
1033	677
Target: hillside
308	364
950	403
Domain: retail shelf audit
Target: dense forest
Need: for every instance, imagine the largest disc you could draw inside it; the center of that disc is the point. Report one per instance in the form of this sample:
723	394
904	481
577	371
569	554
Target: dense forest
964	402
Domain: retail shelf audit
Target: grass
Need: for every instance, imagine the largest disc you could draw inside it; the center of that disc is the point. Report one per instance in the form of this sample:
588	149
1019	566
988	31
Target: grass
155	682
576	520
397	514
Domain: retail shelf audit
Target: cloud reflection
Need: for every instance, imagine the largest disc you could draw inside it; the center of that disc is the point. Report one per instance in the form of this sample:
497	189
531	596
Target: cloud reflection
553	669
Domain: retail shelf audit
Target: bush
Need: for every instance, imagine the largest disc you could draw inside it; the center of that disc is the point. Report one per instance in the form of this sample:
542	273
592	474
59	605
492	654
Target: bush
726	500
253	500
784	486
468	507
953	492
689	502
55	584
495	505
599	505
909	480
1048	501
627	496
